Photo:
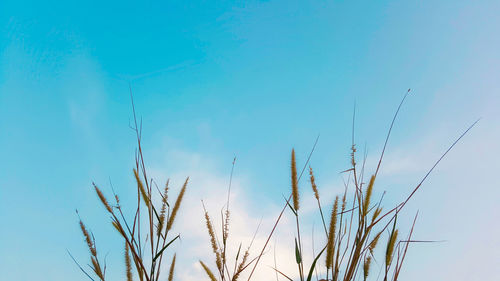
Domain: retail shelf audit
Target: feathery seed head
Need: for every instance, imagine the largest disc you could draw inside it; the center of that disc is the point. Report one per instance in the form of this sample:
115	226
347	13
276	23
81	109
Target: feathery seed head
366	267
88	239
344	201
368	195
295	185
208	271
213	241
177	205
330	247
128	264
102	198
313	184
374	242
241	266
163	210
172	268
353	152
390	247
226	226
376	214
141	188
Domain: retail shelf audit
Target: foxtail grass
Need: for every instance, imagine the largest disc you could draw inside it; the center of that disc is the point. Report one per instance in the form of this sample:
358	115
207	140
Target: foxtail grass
354	233
220	249
357	225
144	248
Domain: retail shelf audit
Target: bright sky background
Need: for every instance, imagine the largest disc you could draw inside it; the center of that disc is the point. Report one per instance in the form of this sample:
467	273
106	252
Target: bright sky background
251	79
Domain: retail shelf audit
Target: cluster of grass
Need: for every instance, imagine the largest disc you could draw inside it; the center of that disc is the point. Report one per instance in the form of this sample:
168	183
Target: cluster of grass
354	230
143	248
356	227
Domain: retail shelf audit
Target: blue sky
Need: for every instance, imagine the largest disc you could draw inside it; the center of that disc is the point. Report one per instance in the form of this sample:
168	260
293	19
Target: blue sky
251	79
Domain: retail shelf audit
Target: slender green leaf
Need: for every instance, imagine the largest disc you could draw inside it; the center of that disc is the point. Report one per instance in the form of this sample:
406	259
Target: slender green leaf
298	256
163	249
311	270
291	207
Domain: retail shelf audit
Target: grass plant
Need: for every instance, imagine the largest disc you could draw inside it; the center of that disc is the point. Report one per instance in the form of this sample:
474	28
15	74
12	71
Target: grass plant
353	233
356	226
144	249
220	248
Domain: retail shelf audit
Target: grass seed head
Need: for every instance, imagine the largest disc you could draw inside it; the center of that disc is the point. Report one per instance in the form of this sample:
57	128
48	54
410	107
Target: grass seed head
128	264
213	241
177	205
208	271
102	198
140	185
295	184
313	184
330	247
390	247
88	239
368	195
172	268
366	267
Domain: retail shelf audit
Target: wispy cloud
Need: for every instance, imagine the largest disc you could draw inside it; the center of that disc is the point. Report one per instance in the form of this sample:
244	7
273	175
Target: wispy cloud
207	183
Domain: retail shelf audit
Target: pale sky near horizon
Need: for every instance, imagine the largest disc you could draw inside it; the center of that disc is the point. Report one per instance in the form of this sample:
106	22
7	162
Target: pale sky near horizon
250	79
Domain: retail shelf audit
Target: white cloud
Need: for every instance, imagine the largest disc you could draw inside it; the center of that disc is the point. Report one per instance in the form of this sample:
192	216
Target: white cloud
210	186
